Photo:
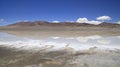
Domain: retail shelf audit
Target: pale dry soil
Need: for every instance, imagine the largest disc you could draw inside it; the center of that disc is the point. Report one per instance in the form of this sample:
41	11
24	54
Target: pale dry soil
67	57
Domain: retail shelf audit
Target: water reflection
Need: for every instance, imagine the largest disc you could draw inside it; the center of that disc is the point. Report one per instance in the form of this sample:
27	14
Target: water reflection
77	43
5	37
53	51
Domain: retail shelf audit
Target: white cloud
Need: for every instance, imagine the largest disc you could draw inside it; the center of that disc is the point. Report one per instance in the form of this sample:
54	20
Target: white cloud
1	20
103	41
85	39
22	21
118	22
55	21
85	20
55	37
70	21
118	37
94	37
102	18
82	39
82	20
94	22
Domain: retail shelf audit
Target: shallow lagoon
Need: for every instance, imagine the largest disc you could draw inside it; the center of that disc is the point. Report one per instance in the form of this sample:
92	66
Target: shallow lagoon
77	43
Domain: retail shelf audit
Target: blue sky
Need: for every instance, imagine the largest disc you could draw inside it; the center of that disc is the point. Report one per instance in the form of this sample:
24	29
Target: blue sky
60	10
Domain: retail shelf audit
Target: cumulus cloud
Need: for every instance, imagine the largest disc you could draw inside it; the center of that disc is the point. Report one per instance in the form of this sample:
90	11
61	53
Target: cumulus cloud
85	20
1	20
118	22
103	18
55	21
85	39
55	37
103	41
94	22
93	37
22	21
82	39
118	37
82	20
69	21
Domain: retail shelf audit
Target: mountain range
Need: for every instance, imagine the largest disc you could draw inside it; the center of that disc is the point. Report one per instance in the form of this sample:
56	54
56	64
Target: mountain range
45	23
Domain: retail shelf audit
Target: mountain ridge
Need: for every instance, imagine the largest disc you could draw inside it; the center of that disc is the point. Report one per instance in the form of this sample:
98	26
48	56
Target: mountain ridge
45	23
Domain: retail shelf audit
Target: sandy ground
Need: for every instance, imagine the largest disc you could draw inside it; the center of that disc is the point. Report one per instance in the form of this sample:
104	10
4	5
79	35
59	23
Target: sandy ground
66	57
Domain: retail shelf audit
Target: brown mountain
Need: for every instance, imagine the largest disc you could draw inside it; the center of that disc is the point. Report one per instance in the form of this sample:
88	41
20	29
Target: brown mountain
29	23
45	23
106	24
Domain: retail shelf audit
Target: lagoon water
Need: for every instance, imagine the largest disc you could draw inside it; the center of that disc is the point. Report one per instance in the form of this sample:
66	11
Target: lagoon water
53	51
77	43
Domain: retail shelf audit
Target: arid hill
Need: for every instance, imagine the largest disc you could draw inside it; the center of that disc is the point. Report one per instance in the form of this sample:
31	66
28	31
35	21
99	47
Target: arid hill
105	24
45	23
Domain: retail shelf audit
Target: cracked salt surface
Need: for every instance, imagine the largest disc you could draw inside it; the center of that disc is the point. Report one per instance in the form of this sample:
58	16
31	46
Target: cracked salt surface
56	43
